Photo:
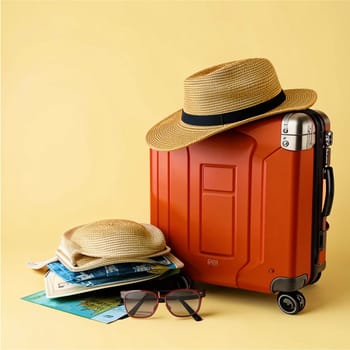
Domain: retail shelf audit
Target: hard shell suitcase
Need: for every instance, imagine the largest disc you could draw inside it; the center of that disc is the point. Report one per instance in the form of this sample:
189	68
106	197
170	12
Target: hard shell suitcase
247	208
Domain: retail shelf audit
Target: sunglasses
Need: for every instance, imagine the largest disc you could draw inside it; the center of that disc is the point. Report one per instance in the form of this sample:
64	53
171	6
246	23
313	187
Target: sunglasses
179	302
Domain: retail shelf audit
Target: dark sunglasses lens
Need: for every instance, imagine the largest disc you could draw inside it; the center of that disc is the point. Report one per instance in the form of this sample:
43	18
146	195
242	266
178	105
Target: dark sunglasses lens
183	302
140	303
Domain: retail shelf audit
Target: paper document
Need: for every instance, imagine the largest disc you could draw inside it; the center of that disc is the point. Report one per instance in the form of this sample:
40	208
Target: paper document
61	282
100	308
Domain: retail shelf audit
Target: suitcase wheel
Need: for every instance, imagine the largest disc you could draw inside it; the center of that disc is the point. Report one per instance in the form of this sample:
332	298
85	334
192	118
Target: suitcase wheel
291	303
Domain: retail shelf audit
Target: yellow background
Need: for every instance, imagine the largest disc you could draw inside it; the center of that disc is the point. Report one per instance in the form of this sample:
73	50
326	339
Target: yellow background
82	82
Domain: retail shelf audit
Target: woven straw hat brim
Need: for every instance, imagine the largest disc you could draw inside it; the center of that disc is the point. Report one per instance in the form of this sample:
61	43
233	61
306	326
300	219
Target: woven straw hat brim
85	262
76	259
172	133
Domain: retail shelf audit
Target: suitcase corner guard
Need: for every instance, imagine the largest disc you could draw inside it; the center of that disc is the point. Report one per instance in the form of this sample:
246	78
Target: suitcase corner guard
288	284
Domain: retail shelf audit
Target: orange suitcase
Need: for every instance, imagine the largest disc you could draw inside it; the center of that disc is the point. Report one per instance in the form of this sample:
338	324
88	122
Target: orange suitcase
247	208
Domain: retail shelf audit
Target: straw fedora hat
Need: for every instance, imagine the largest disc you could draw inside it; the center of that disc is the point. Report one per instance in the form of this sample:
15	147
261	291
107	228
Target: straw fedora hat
223	97
108	242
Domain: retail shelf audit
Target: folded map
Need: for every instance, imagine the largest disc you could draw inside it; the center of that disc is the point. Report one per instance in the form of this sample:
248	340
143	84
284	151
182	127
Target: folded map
60	283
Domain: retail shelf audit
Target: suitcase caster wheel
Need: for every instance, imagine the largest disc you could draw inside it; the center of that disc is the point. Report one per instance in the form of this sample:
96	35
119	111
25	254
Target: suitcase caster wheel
291	303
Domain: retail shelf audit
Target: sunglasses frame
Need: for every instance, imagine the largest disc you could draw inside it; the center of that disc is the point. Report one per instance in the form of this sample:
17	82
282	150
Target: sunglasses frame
163	297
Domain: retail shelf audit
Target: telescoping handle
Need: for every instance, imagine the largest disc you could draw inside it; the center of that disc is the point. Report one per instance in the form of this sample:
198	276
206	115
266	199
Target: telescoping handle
329	195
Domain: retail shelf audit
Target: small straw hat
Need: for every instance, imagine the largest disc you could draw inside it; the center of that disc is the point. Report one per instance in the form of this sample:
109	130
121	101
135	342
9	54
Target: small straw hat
223	97
108	242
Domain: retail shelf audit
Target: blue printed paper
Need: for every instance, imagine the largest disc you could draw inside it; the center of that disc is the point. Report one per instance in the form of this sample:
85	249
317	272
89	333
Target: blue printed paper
100	308
113	272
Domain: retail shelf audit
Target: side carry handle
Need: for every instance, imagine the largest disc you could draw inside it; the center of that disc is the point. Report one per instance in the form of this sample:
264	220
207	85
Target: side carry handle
328	202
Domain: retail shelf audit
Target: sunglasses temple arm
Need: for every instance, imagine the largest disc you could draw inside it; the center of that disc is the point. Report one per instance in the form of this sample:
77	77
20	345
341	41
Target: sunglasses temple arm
190	310
133	311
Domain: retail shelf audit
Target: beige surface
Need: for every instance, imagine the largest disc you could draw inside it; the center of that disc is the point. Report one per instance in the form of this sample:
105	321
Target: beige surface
82	84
